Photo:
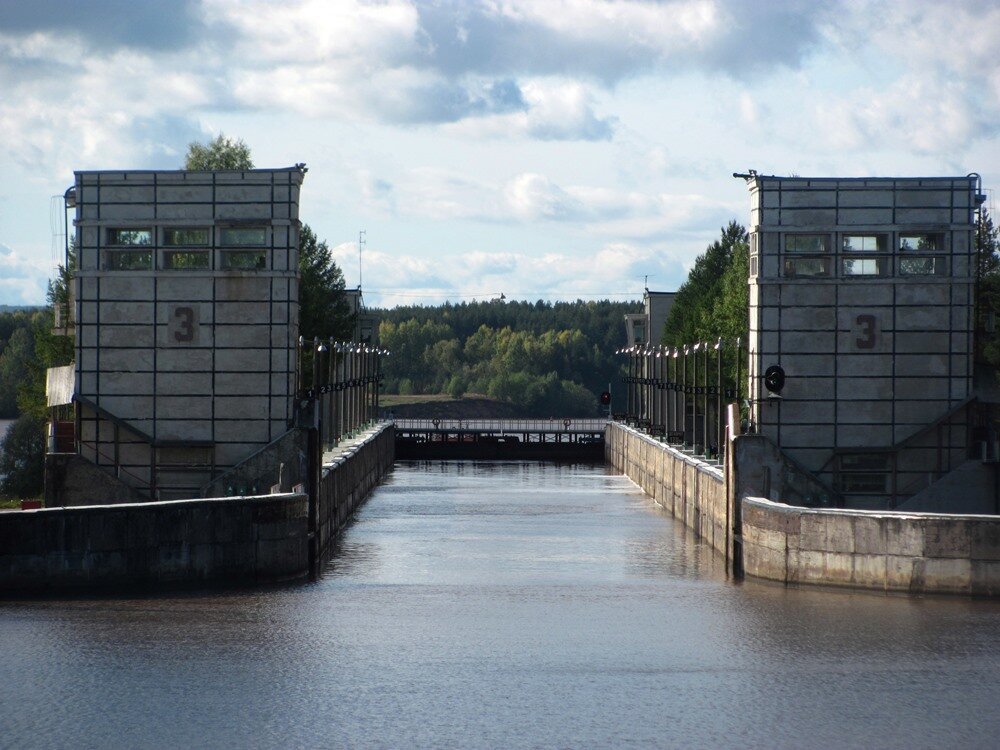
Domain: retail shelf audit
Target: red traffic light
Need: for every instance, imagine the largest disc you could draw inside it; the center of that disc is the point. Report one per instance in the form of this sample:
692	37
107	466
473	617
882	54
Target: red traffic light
605	398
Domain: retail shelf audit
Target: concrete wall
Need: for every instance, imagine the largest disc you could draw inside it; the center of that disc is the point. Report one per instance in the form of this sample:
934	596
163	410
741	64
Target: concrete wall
71	481
691	489
915	553
885	551
870	358
223	540
347	480
241	539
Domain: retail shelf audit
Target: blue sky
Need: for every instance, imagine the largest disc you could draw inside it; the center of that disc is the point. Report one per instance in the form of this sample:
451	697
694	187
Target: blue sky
546	149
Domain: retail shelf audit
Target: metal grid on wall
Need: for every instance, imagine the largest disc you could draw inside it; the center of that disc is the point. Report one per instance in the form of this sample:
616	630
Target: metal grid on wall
878	364
193	357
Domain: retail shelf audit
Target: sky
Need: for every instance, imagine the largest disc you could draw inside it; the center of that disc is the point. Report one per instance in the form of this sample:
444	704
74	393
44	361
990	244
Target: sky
542	149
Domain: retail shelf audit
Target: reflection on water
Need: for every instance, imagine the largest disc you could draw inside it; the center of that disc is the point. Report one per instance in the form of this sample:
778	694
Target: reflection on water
505	605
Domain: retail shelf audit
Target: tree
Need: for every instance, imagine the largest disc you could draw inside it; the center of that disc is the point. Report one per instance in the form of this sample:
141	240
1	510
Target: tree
730	311
691	314
323	307
219	153
22	459
988	292
15	369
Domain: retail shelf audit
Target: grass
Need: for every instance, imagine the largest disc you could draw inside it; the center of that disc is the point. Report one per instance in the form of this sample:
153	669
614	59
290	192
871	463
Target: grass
395	399
7	503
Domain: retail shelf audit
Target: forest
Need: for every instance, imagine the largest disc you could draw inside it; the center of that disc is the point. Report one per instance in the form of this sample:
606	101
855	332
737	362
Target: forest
548	359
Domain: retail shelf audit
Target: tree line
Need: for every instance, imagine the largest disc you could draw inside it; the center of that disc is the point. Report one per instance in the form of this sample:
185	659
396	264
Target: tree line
548	359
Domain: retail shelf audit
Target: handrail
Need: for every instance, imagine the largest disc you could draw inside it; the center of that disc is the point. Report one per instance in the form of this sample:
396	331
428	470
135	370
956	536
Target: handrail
563	425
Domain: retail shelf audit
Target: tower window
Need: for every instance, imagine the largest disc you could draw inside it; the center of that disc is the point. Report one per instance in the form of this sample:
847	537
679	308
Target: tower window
807	255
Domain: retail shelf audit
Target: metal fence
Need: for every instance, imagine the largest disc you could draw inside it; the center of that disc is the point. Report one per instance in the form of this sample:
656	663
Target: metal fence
680	393
513	426
338	386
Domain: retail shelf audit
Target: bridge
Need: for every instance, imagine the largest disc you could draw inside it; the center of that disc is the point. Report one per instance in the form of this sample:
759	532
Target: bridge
491	439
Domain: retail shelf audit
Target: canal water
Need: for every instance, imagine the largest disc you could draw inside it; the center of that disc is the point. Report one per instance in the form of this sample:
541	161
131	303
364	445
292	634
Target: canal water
499	606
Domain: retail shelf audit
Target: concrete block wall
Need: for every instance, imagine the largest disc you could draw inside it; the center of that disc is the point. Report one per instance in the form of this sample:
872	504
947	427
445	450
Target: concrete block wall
225	540
915	553
349	478
870	359
195	354
691	489
919	553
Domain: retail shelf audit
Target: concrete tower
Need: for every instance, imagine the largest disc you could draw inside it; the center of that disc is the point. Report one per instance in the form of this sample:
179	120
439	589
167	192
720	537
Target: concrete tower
187	320
862	291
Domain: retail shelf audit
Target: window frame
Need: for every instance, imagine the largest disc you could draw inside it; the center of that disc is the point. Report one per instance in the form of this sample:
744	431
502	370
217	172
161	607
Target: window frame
938	255
112	237
792	257
879	255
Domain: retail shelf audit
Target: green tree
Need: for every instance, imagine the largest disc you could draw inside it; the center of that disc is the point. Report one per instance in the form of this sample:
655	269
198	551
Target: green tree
22	458
988	293
729	314
16	366
323	307
219	153
691	315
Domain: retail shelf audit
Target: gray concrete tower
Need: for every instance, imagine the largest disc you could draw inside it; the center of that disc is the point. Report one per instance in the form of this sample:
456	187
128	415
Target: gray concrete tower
187	320
862	291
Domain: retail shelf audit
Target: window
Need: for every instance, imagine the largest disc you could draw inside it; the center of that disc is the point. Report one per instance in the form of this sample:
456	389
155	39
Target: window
243	236
130	237
244	260
864	266
197	237
185	260
864	243
128	260
868	251
807	243
863	474
807	255
917	254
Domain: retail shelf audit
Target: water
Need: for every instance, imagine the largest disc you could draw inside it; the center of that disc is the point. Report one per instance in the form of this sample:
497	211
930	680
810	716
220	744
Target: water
507	605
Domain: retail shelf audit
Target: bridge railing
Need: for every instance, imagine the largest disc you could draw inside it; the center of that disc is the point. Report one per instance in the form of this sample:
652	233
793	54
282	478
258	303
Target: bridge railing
512	426
679	394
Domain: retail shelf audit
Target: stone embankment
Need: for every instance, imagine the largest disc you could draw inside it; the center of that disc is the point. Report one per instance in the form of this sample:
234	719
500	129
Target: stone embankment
231	540
917	553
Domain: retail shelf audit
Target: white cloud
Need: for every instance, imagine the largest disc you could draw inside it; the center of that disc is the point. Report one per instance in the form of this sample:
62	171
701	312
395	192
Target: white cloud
22	281
926	116
532	196
947	91
615	269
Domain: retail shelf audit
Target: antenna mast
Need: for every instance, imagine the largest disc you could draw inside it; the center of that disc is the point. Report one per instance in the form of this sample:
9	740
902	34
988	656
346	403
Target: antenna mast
361	243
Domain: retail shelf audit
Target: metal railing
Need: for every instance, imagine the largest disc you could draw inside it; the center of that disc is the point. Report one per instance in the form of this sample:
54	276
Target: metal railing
513	426
680	393
341	380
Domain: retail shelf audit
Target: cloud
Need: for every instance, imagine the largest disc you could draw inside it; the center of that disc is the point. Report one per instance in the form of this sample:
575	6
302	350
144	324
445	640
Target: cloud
532	196
612	41
948	93
928	116
614	269
149	24
22	282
